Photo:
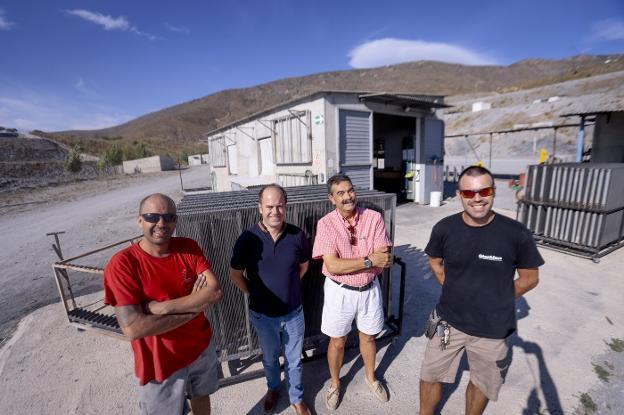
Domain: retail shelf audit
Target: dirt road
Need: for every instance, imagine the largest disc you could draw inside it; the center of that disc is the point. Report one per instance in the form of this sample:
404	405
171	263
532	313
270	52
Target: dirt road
92	214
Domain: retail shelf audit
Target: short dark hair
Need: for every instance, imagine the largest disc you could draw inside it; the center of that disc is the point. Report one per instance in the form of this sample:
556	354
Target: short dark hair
474	171
274	186
337	179
169	201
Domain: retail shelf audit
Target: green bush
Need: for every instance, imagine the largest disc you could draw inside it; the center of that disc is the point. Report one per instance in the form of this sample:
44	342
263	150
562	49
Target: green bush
72	161
136	151
113	156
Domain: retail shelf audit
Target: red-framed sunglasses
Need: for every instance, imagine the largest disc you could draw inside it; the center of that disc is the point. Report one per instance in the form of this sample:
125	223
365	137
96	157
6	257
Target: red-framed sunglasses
485	192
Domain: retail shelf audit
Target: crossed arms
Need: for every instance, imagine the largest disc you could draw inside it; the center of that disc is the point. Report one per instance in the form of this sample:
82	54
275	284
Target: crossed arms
528	278
156	317
339	266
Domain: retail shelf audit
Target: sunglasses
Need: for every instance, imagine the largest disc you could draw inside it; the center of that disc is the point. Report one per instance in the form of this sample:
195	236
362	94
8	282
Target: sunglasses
485	192
351	230
155	217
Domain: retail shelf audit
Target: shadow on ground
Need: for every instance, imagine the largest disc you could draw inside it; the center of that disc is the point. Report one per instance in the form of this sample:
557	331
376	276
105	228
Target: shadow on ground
542	380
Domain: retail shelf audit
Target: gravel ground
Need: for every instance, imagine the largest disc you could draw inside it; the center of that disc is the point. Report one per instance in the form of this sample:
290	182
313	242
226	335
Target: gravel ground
565	328
91	213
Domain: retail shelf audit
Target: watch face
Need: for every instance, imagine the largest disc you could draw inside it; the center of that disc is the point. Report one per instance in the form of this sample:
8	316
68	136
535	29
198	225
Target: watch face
368	263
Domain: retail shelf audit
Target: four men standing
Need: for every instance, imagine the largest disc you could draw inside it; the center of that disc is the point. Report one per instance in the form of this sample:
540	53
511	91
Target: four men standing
161	286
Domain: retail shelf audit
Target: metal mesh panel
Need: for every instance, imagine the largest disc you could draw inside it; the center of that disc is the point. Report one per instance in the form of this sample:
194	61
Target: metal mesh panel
215	220
578	206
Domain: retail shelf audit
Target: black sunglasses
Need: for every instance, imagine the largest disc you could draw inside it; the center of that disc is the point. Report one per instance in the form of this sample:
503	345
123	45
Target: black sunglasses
155	217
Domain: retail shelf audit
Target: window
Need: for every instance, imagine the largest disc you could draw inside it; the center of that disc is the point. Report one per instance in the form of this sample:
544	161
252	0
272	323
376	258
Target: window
216	150
232	155
266	156
292	138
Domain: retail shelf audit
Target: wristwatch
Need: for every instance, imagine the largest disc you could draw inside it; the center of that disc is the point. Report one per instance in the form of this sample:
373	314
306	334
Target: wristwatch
367	263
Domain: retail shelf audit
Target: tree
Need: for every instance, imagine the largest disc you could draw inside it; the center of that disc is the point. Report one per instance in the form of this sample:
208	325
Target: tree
73	163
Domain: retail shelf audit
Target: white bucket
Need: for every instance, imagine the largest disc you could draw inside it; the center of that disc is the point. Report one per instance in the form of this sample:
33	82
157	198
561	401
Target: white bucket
435	199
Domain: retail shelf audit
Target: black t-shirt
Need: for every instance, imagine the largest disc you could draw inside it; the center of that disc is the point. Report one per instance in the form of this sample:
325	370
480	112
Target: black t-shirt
478	294
272	268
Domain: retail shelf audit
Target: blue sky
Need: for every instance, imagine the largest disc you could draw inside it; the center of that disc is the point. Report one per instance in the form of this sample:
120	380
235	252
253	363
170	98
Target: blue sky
83	64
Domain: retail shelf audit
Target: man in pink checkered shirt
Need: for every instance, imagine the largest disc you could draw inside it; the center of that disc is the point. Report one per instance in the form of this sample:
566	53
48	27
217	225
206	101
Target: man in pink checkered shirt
355	248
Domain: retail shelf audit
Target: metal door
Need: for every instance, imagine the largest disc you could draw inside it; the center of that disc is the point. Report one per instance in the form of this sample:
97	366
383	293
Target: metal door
356	155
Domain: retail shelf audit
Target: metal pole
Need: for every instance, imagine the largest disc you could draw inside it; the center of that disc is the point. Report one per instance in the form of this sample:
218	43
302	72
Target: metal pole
554	144
180	172
581	140
57	246
490	162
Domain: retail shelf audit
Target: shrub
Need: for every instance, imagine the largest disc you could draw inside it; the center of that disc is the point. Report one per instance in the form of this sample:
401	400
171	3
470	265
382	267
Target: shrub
113	156
73	163
136	151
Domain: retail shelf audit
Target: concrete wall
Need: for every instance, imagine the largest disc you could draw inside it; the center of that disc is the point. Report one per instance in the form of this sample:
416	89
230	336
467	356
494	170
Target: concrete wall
148	165
608	141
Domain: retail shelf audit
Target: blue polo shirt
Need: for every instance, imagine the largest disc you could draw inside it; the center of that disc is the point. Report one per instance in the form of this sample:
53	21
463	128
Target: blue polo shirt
272	268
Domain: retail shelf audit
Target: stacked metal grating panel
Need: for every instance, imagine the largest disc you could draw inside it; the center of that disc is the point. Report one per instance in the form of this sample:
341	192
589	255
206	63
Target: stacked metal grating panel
215	220
576	206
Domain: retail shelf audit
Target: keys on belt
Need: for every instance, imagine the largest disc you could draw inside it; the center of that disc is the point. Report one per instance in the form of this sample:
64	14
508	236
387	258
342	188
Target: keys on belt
443	331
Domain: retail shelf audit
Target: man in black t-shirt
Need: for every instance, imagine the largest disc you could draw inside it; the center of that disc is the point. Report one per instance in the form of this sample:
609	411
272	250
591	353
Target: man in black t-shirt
475	255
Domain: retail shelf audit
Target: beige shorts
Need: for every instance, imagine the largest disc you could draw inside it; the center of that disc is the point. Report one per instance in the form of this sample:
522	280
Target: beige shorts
488	360
342	306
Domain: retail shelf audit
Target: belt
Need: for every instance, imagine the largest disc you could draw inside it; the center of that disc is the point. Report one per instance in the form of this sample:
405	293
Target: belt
350	287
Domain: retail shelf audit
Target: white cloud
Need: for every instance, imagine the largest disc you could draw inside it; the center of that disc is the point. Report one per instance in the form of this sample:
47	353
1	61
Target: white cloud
5	24
607	30
109	22
80	84
87	88
389	51
177	29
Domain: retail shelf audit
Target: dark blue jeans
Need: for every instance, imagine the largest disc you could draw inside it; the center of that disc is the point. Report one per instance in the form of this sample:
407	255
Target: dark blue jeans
274	334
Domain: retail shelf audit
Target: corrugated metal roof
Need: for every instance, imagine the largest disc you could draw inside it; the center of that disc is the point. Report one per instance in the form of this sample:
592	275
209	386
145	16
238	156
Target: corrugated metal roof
406	100
401	99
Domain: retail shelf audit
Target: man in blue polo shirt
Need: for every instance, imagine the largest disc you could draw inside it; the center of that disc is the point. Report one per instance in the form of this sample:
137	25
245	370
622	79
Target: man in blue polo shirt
275	255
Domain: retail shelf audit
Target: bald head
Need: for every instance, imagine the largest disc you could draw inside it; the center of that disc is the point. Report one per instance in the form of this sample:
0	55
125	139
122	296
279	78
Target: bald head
160	198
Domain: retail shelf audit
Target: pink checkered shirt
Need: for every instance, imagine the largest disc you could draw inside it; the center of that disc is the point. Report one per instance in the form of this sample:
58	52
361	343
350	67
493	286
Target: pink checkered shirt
333	237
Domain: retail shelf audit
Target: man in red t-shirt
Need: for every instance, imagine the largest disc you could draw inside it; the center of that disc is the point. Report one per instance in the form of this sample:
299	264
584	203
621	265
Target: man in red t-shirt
160	288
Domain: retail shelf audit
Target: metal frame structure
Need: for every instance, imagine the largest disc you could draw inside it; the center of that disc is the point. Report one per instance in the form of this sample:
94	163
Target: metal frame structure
577	208
97	317
215	221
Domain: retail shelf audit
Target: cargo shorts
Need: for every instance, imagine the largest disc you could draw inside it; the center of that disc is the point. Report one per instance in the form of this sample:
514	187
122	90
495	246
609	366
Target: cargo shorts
168	397
488	360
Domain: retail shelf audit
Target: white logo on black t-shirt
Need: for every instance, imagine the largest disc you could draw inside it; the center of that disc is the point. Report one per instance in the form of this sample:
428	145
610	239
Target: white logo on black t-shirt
491	258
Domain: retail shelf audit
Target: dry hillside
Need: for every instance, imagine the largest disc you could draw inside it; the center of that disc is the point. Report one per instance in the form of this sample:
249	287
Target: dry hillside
175	130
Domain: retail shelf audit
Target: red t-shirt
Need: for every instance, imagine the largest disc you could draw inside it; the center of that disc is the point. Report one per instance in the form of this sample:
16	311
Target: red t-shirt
132	276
